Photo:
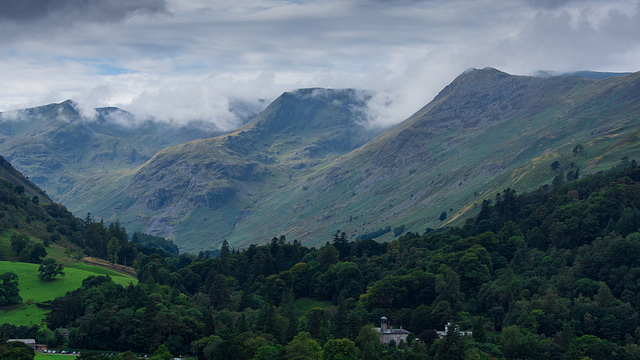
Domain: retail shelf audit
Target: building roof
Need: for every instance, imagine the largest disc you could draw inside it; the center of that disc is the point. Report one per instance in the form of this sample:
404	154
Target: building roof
26	341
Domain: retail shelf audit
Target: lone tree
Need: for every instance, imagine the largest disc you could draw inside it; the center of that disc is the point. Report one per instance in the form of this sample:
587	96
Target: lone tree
49	269
9	292
577	150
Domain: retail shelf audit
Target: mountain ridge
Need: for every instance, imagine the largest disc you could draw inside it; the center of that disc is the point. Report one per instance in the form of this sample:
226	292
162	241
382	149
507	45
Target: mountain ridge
308	165
223	176
71	154
383	167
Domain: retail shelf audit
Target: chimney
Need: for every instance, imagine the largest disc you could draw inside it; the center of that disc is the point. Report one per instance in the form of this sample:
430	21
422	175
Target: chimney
383	324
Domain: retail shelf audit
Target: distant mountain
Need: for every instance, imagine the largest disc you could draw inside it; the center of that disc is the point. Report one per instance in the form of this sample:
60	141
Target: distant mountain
76	158
308	165
200	191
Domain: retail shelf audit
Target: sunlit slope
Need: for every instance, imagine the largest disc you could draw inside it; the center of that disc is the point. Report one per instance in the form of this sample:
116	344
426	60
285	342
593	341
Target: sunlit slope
33	290
486	131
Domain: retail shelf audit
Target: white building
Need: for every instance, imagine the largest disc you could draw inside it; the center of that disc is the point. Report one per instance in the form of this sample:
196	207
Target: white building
448	327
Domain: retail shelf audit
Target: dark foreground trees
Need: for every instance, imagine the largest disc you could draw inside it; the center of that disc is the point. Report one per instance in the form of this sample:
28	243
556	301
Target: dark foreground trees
16	350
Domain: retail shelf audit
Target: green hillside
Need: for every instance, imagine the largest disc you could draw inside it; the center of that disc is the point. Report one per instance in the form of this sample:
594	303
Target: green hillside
308	165
34	291
199	191
486	131
73	157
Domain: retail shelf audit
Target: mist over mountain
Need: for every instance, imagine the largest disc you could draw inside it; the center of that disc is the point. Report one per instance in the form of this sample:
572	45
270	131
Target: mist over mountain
587	74
485	132
199	191
310	164
70	151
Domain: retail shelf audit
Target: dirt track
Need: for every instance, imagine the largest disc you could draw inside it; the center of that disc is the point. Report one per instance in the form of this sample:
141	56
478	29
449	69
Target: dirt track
105	264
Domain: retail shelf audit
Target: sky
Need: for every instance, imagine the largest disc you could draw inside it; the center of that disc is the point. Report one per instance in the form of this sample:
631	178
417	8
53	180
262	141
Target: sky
185	60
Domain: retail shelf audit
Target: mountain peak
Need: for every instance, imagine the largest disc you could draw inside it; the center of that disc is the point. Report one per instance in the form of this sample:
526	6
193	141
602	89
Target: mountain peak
487	73
487	69
312	108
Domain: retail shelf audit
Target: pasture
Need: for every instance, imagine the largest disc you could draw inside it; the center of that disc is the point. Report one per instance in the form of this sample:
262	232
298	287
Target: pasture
33	290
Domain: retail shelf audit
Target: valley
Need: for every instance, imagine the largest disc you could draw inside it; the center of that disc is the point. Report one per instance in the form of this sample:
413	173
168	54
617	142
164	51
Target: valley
309	165
507	206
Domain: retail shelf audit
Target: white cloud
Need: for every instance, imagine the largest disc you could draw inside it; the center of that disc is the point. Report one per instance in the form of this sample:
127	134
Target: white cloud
190	60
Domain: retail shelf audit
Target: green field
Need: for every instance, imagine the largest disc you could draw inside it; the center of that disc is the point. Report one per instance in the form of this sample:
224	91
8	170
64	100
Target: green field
40	356
33	290
305	304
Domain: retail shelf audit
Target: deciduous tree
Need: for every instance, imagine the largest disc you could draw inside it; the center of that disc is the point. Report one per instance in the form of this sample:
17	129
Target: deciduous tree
303	347
340	349
50	269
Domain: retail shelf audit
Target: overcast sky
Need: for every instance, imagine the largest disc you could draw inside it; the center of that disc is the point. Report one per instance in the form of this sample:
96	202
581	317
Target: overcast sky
186	59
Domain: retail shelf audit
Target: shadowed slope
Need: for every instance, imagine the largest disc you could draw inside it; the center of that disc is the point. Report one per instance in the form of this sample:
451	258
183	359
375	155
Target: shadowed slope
198	192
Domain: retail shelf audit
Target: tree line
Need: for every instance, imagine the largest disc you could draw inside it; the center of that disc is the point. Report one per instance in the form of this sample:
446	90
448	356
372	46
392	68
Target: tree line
550	274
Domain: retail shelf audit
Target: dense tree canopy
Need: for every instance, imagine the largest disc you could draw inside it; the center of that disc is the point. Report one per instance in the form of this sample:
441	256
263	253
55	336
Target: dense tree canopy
552	274
16	350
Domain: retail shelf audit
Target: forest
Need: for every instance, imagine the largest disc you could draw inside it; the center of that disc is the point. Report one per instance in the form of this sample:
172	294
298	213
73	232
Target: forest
550	274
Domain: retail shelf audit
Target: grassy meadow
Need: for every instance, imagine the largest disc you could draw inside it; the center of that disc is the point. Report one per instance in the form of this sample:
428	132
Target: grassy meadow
33	290
305	304
42	356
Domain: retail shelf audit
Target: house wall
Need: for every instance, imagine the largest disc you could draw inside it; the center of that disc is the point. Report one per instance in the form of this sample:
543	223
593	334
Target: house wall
386	338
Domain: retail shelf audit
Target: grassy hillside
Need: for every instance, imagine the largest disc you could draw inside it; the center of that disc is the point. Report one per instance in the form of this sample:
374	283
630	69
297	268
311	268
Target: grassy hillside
71	156
199	191
485	132
305	166
54	357
33	290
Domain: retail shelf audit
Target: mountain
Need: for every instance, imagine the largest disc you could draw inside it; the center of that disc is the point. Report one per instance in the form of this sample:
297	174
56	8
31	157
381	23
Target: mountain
78	158
199	191
485	132
308	165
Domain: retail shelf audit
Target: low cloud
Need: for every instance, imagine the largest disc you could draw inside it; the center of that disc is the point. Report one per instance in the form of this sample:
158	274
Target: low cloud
63	11
214	62
223	102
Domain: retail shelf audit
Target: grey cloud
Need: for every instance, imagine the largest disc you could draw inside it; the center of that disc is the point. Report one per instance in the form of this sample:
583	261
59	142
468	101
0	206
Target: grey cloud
547	4
195	62
585	39
77	10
